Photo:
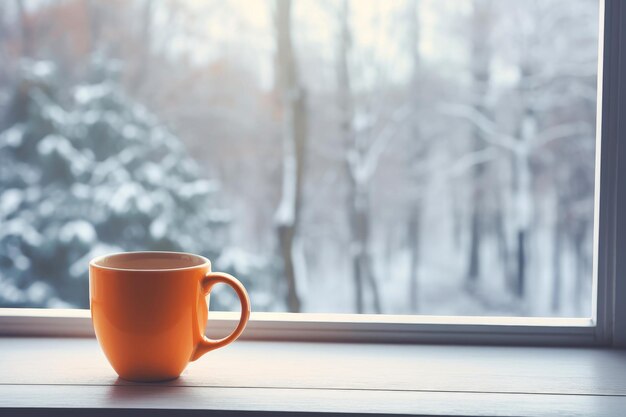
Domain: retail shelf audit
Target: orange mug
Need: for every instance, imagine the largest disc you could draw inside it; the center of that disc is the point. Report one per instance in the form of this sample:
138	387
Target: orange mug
149	311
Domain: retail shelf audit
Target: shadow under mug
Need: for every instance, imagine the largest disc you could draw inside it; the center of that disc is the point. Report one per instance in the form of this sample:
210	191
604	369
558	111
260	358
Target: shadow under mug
149	311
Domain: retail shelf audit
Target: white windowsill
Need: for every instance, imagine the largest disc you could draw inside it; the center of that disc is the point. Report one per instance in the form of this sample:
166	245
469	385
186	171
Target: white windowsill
70	374
544	331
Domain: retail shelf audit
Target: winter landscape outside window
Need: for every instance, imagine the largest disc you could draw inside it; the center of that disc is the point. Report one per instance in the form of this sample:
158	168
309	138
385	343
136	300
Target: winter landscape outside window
397	157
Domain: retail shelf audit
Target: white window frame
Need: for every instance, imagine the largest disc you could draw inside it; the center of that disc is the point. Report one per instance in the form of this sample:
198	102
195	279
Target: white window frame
606	327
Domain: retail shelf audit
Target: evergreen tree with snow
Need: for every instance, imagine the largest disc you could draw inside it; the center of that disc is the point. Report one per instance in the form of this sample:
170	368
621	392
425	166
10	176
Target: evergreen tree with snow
89	173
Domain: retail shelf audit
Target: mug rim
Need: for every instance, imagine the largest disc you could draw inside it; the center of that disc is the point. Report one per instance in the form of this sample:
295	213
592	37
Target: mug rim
94	261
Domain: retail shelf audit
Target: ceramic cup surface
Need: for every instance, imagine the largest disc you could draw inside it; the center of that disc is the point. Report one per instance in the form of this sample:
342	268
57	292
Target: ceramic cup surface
149	311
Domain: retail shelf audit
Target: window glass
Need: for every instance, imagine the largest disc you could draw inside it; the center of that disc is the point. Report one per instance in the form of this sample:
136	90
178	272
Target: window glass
399	157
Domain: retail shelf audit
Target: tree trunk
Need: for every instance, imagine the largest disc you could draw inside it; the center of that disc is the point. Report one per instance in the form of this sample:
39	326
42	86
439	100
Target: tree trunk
457	217
520	281
580	259
145	42
373	283
286	242
557	240
500	231
473	265
292	100
414	249
360	251
94	15
25	30
418	151
523	203
358	185
481	76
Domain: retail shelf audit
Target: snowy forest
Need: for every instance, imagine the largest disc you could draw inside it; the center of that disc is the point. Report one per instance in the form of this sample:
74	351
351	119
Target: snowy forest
337	156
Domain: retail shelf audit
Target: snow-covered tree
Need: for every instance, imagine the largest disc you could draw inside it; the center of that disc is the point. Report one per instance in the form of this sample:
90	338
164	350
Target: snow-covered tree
292	103
91	173
419	147
529	125
365	134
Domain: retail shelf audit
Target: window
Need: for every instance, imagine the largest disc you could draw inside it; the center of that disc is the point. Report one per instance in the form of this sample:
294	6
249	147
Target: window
409	158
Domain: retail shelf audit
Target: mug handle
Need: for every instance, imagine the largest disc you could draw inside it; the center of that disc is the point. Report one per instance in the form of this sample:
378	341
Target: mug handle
208	282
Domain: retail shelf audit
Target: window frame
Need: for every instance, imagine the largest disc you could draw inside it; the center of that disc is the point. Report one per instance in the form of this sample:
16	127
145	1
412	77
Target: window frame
606	327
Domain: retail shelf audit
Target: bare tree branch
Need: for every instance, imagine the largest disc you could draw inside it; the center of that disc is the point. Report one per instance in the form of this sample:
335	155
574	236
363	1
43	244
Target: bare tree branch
471	159
389	132
559	132
479	120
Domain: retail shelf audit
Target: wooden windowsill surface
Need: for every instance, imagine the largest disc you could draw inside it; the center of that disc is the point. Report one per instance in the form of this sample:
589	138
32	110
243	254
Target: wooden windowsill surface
67	375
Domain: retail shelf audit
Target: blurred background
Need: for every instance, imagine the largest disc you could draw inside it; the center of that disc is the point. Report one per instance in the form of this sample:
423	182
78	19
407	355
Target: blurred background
399	157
